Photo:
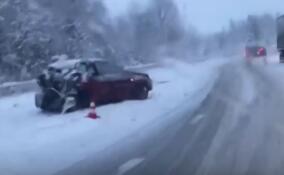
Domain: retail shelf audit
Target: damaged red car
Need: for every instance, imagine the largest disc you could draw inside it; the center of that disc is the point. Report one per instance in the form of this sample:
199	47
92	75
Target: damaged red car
73	84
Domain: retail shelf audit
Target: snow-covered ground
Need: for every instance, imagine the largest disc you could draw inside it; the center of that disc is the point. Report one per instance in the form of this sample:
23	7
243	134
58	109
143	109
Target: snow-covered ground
35	143
273	59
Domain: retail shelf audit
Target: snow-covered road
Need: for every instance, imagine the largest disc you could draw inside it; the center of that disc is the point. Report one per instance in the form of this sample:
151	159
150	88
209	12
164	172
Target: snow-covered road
237	130
35	143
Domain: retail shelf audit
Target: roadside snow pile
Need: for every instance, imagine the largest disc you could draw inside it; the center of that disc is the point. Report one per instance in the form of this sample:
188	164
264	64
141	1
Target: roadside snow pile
10	84
273	59
37	143
10	88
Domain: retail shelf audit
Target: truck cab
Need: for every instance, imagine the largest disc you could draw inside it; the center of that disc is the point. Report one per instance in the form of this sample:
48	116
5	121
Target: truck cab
280	37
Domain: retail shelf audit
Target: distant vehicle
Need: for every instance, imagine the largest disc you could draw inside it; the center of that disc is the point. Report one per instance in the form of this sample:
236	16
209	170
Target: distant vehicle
73	84
255	52
280	37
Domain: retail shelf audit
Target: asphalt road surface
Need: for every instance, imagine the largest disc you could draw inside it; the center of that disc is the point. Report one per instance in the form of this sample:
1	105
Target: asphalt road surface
237	130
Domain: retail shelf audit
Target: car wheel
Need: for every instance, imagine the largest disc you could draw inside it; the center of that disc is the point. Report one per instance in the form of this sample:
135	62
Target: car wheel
143	93
281	56
281	59
50	101
84	99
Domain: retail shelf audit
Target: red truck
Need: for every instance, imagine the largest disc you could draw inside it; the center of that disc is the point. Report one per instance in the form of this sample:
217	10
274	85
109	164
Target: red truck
73	84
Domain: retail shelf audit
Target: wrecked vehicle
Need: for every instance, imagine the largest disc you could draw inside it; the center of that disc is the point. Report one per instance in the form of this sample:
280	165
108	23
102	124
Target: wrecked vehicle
70	85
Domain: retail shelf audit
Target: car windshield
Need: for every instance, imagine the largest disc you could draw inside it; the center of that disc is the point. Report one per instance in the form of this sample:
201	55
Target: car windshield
81	67
108	68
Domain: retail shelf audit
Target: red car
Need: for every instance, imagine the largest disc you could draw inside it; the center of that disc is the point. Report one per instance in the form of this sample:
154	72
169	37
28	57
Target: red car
73	84
255	52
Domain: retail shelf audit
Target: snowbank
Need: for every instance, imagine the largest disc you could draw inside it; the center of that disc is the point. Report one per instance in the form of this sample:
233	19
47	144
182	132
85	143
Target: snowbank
37	143
11	88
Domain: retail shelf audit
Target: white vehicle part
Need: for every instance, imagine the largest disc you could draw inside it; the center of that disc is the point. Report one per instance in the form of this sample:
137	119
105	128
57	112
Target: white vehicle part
70	102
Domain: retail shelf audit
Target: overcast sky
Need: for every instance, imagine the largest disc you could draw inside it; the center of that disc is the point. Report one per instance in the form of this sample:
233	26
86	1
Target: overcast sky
211	15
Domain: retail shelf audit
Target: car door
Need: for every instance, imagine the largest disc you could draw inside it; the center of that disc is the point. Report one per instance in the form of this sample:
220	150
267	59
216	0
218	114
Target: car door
98	87
116	80
121	86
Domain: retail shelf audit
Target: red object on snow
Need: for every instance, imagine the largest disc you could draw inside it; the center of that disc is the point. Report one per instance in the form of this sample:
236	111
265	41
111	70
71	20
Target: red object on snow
255	52
261	51
92	114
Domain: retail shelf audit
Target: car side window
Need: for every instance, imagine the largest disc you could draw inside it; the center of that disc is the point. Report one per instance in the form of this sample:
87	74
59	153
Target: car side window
92	70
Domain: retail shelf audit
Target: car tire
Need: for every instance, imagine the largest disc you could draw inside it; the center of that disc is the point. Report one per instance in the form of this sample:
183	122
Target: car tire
281	57
50	102
143	93
83	99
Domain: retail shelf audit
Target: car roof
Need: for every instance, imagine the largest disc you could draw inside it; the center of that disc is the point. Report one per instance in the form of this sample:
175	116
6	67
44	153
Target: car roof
67	64
62	64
